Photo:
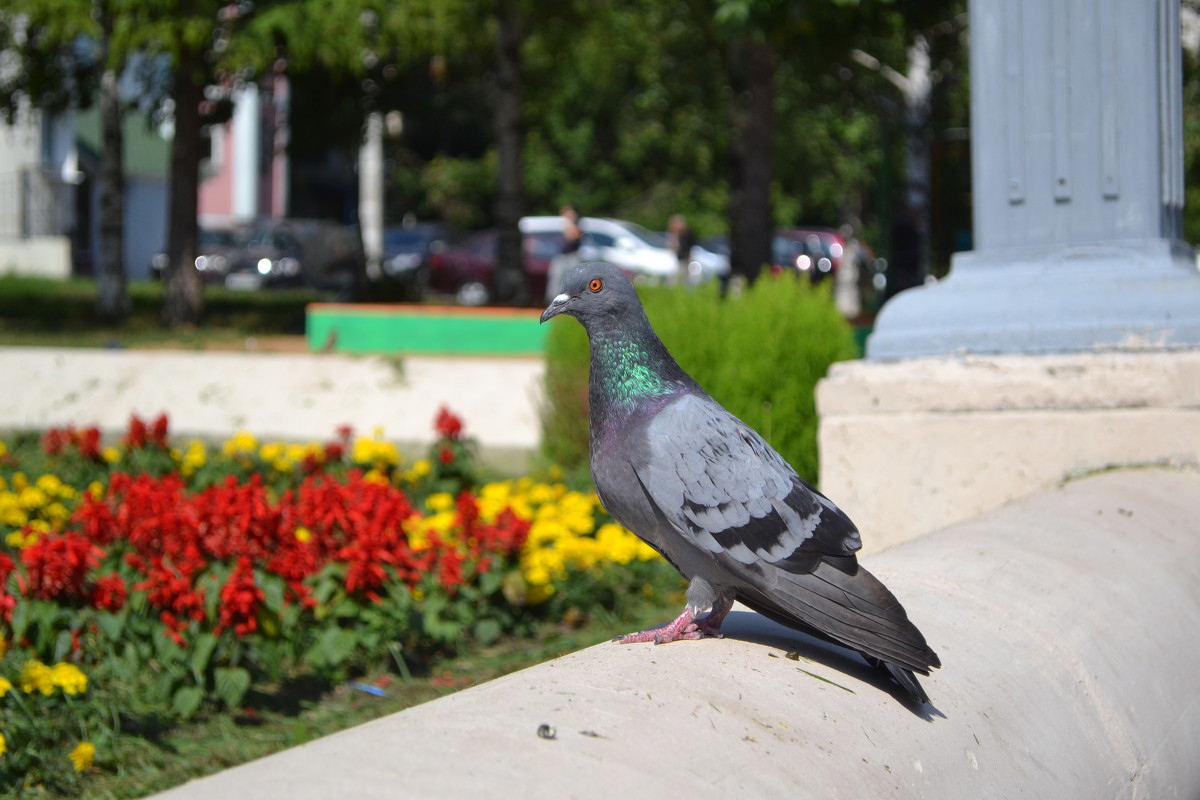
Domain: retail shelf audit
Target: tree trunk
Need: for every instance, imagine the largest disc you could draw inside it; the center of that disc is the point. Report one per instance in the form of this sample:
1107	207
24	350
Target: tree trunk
183	297
751	222
112	294
511	284
918	89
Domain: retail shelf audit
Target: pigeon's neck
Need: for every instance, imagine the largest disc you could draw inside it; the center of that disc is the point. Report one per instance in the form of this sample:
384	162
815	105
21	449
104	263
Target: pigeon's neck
630	367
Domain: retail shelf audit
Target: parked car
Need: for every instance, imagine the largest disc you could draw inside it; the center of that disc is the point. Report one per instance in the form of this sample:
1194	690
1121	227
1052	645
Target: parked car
215	246
637	251
706	264
319	254
468	270
815	252
408	249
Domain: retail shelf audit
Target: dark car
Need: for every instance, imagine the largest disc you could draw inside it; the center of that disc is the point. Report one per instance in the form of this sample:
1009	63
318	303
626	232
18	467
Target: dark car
816	252
408	249
318	254
214	245
468	270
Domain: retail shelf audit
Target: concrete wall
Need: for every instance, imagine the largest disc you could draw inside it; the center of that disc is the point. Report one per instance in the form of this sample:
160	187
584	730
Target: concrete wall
276	396
41	256
1068	624
911	446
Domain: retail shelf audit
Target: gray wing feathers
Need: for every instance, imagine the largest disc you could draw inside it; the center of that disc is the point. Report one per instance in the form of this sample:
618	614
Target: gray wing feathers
719	483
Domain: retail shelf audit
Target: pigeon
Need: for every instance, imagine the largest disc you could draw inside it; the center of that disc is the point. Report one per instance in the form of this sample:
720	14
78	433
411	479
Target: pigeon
715	500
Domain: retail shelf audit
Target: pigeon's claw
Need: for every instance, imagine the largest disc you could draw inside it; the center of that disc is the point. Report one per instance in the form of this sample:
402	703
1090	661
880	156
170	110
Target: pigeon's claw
684	626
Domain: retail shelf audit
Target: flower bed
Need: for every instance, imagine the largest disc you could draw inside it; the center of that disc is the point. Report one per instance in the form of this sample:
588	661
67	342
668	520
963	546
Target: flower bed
176	577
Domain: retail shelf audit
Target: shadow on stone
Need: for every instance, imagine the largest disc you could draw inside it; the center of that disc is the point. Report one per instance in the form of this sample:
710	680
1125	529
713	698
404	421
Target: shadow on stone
749	626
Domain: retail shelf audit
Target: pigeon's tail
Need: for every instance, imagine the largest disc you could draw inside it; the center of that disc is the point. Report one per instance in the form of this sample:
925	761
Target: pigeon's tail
849	605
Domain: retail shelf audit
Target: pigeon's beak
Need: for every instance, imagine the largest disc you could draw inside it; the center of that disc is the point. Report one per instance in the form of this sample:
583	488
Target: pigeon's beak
556	307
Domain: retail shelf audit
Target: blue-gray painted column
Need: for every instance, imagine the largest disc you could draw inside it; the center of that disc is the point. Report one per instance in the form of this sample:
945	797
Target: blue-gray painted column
1077	171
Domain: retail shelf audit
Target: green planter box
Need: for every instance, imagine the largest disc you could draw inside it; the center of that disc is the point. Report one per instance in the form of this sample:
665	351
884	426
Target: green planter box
433	330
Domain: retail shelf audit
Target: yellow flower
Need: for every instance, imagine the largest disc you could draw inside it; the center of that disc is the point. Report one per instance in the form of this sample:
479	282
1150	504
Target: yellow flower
3	745
242	443
83	755
32	498
5	685
303	535
50	484
69	677
194	457
22	538
96	490
375	476
374	451
440	501
36	677
111	454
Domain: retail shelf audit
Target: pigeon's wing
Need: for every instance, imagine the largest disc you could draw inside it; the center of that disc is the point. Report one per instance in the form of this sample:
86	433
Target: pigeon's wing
721	486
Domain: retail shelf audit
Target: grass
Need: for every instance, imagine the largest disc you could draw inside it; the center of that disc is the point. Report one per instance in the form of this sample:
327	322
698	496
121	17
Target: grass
51	313
279	717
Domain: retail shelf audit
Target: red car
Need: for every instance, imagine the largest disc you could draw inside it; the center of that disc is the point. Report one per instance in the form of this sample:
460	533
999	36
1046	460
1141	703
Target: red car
468	270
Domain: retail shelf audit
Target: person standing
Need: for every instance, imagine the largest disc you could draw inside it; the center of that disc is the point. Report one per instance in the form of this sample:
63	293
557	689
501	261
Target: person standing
569	255
681	241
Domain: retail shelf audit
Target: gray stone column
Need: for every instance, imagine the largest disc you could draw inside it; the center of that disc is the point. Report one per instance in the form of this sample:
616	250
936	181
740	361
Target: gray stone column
1077	170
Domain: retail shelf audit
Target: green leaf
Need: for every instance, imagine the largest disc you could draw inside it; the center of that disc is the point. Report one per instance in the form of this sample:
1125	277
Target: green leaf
20	621
273	589
111	625
232	683
333	646
490	582
202	650
487	631
187	700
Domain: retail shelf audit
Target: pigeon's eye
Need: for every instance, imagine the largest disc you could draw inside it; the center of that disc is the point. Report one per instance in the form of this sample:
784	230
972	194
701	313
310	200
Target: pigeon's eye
596	284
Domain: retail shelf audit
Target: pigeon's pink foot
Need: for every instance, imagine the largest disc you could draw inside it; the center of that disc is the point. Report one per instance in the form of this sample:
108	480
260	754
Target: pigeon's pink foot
685	626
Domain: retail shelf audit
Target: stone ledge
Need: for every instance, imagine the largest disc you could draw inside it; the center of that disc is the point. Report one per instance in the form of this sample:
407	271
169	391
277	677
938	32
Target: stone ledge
1067	622
275	396
909	447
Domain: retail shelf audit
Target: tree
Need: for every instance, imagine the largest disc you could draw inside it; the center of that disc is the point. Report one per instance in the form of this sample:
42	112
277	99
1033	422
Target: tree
112	294
67	54
914	111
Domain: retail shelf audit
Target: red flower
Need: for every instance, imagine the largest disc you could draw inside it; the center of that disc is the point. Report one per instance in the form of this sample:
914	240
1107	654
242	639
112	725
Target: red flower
447	424
54	441
7	601
57	441
57	566
240	600
142	435
158	433
136	438
109	593
445	455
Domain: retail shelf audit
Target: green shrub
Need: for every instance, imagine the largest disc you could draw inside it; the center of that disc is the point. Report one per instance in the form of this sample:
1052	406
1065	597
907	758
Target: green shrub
759	354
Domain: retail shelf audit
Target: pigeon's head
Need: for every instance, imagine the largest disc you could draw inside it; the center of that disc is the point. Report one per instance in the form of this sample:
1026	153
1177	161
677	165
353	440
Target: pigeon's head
592	291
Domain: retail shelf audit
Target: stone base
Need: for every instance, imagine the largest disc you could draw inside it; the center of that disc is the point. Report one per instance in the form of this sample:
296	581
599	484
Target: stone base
1127	295
913	446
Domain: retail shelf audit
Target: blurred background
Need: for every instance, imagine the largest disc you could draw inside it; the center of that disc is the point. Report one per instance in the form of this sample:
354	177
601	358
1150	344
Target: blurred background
373	151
